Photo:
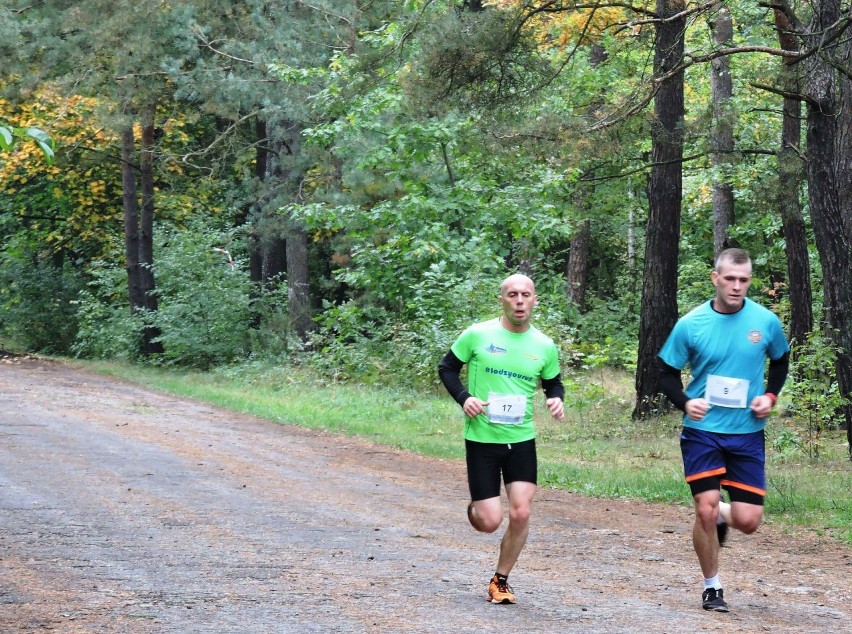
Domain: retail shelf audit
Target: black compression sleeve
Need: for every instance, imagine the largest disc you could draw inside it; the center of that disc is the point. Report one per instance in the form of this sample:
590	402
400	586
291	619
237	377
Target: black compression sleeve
671	384
553	387
449	369
777	373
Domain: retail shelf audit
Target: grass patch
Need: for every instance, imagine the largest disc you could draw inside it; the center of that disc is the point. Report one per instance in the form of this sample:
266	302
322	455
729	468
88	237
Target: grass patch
598	451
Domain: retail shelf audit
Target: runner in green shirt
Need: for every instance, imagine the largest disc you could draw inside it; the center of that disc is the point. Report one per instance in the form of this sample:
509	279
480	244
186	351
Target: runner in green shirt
506	358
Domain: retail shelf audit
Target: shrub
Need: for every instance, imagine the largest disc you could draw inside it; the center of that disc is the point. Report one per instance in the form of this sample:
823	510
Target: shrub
203	300
36	302
107	329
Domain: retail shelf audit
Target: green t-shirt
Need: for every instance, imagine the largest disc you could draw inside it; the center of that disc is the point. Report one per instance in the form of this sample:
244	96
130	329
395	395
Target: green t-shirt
504	368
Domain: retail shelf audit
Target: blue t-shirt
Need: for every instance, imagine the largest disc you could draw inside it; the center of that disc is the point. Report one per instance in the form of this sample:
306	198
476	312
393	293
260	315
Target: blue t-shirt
733	346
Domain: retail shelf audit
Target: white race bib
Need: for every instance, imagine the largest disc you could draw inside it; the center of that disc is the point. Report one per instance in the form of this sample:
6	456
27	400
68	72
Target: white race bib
726	392
506	409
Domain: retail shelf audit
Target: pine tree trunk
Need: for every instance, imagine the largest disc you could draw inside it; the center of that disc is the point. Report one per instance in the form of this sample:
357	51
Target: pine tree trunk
146	231
130	203
577	267
844	168
829	173
790	178
298	288
286	167
260	171
722	135
659	287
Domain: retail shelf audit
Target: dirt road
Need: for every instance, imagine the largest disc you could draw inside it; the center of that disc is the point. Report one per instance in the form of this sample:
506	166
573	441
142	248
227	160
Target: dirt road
124	510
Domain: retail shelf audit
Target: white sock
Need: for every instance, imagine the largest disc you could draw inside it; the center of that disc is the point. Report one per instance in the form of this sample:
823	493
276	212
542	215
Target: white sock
713	583
719	518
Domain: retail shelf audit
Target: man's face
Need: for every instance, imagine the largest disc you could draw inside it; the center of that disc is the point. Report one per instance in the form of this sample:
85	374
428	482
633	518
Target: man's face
731	282
517	299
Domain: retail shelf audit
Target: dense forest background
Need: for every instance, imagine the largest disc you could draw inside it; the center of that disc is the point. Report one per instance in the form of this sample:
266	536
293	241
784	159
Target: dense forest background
343	184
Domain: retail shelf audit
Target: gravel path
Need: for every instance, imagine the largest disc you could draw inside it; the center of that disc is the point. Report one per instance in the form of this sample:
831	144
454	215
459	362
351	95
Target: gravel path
126	510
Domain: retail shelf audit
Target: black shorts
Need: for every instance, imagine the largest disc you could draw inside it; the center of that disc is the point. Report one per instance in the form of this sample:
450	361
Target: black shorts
486	461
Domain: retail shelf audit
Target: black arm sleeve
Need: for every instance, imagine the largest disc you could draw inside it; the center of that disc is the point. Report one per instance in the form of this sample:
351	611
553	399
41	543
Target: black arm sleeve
449	369
671	384
553	387
777	373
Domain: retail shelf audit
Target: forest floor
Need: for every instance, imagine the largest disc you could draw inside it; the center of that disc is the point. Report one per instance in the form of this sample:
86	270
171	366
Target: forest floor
126	510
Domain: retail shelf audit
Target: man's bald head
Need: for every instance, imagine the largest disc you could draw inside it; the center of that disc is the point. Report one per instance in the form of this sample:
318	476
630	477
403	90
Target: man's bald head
517	300
518	279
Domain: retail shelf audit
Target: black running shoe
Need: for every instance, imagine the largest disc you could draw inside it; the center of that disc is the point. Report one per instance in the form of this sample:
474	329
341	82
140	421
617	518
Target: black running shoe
722	532
712	600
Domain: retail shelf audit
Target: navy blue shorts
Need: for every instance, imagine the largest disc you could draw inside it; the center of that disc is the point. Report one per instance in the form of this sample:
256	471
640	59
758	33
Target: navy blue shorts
735	462
486	461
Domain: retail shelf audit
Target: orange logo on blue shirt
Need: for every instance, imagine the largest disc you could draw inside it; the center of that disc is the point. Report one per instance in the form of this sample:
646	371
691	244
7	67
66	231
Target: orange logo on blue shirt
495	349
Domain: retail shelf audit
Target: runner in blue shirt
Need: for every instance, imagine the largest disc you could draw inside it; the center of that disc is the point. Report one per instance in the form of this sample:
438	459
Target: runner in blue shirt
725	342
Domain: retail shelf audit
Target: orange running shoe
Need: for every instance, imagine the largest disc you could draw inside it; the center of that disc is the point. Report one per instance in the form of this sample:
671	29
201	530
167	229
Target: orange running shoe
500	592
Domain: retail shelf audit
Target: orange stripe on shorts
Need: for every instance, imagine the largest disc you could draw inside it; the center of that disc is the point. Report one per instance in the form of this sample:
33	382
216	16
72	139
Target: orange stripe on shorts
744	487
705	474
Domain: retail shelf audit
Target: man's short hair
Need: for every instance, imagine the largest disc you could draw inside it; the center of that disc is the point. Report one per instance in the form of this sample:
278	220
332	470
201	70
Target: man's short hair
734	256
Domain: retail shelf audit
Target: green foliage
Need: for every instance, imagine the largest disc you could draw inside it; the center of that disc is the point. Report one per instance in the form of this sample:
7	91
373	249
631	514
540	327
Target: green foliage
607	334
203	314
813	394
787	442
478	58
273	337
36	301
204	305
371	343
107	328
694	286
10	135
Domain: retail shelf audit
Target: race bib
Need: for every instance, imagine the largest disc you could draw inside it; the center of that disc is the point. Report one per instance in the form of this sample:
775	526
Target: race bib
506	409
726	392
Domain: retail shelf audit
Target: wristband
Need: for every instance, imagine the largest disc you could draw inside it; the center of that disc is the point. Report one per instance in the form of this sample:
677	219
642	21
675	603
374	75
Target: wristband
772	398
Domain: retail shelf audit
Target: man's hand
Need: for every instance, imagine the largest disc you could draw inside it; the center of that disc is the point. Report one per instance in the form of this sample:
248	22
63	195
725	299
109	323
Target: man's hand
473	407
762	405
696	408
556	407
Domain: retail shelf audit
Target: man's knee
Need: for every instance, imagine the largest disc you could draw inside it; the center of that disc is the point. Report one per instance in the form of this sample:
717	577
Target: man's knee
488	515
519	513
747	522
746	510
707	508
490	524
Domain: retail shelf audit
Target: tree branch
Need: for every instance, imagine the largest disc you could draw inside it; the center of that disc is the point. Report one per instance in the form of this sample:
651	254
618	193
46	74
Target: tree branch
784	93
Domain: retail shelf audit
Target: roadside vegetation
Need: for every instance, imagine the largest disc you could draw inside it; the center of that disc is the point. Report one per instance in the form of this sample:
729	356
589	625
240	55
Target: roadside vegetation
598	451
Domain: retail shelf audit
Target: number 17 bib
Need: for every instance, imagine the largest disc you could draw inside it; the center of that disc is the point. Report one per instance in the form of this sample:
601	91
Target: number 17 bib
506	409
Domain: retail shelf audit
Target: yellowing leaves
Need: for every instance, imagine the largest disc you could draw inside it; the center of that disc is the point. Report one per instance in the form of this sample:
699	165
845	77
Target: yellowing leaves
559	29
81	189
97	187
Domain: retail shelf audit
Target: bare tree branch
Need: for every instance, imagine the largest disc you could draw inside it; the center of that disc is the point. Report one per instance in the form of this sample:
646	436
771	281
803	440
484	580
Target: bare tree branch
219	139
784	93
